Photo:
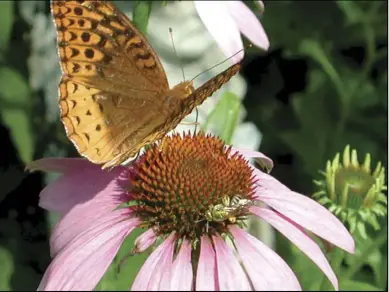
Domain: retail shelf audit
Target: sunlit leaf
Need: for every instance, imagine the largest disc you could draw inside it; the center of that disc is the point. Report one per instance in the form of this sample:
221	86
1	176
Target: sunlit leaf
141	14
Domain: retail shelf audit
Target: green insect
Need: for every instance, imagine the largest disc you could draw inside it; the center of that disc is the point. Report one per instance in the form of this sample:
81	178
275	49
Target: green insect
229	209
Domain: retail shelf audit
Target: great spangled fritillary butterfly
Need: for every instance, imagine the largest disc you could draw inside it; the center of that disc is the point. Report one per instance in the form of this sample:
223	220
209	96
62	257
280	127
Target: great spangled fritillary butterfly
114	93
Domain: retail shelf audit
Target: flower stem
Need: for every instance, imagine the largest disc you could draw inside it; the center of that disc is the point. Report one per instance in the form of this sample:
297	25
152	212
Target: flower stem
336	258
374	244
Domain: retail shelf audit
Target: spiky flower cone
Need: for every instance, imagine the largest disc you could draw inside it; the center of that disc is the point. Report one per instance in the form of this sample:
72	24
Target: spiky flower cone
187	185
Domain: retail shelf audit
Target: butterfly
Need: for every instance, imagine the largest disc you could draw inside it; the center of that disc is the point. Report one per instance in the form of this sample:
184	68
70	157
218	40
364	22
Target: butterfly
114	93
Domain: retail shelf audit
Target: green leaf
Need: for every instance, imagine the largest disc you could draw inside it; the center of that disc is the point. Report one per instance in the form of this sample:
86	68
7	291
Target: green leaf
141	14
113	280
353	12
313	49
6	22
368	252
348	285
223	119
7	269
15	105
306	271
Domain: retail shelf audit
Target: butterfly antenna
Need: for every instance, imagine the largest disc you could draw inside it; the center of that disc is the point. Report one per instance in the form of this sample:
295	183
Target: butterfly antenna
247	47
175	51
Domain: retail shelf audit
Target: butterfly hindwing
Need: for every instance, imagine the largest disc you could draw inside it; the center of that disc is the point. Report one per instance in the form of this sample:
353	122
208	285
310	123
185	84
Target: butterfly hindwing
98	126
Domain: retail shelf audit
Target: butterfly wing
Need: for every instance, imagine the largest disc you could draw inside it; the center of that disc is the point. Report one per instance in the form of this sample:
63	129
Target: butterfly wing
112	81
100	127
209	88
206	90
99	47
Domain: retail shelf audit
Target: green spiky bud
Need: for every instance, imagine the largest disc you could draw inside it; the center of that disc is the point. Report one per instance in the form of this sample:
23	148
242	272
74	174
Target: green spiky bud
353	192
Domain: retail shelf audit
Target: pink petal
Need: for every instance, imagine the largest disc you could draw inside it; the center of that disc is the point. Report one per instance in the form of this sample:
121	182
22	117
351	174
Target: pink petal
150	274
230	273
81	182
222	27
145	240
80	219
248	23
161	279
300	239
84	261
310	215
266	269
206	268
182	274
267	183
262	159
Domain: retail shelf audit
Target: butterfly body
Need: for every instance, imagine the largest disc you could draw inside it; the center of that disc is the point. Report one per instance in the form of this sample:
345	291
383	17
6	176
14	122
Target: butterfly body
114	93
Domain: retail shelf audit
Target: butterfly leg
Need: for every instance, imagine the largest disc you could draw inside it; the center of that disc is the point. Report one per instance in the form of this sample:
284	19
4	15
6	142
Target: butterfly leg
190	123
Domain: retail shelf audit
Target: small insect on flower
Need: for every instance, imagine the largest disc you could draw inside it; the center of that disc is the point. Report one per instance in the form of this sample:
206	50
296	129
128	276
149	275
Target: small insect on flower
230	209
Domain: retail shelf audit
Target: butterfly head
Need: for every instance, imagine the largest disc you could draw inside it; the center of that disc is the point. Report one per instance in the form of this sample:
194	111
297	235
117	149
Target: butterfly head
183	90
173	97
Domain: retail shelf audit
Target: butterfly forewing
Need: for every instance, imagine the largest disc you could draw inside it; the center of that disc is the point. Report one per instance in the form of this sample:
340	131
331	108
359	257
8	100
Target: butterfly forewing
208	88
98	46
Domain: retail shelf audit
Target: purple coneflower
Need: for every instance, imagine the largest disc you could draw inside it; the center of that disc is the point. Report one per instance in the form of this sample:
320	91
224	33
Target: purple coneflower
193	192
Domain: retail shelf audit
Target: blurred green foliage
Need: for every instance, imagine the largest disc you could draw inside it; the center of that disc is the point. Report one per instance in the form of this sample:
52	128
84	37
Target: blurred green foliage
223	119
332	93
342	94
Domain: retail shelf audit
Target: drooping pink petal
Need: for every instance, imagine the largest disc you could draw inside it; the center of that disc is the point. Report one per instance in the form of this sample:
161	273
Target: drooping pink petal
300	239
182	273
82	181
267	183
100	206
230	274
145	240
150	274
222	27
84	261
248	23
80	219
206	268
310	215
266	269
261	158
